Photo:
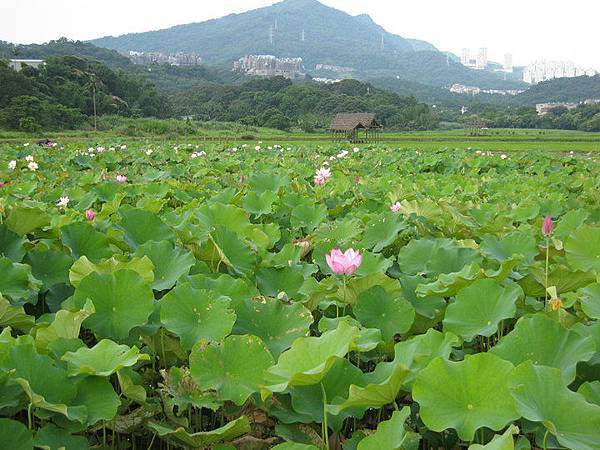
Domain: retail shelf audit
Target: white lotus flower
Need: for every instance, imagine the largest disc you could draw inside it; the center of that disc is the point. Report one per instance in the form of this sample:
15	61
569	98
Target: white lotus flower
63	202
12	165
29	158
33	166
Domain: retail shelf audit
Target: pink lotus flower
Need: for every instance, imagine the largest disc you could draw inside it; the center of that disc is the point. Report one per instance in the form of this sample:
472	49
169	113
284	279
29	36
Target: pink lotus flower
322	176
548	226
395	207
121	179
90	214
344	263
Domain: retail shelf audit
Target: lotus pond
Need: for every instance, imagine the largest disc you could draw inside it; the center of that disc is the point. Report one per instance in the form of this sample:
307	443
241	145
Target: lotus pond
172	295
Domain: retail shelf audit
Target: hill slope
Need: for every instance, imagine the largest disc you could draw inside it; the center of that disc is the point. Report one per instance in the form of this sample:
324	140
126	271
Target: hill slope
330	37
562	90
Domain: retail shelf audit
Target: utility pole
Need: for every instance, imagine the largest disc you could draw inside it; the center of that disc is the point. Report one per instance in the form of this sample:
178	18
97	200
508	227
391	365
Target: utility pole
271	34
382	43
303	36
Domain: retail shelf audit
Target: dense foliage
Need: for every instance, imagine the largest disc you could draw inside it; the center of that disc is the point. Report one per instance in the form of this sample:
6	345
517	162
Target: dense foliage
169	294
60	94
277	103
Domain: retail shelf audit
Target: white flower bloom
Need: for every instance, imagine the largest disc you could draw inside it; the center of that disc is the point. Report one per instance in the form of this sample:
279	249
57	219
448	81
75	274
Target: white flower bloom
123	147
29	158
33	166
149	152
356	149
257	147
26	144
63	202
503	156
12	165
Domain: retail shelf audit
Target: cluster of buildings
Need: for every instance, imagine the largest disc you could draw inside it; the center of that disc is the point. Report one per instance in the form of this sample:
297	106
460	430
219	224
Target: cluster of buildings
481	60
549	70
18	64
271	66
474	90
334	69
544	108
173	59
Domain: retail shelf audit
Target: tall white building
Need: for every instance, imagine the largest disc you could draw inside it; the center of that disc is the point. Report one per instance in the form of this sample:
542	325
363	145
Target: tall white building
549	70
465	58
508	63
482	59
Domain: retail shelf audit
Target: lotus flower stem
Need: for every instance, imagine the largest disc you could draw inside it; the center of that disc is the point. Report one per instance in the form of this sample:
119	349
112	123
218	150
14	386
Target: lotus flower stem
546	439
30	417
325	427
547	264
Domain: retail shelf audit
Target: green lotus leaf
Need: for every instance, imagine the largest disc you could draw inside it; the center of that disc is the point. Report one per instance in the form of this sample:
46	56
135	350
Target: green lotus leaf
448	284
276	323
264	182
237	289
50	437
390	434
194	315
376	309
545	342
582	249
49	267
24	220
260	204
417	352
357	285
382	231
505	441
428	307
515	243
11	244
310	358
99	398
271	281
14	316
141	226
203	439
569	222
83	267
308	400
432	257
565	280
170	263
591	391
479	308
308	216
590	300
226	247
16	280
465	395
14	435
234	369
184	392
66	325
541	396
377	389
122	300
83	240
103	359
295	446
373	263
127	382
368	338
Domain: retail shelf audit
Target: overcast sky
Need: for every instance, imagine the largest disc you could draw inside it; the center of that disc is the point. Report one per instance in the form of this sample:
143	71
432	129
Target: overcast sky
529	29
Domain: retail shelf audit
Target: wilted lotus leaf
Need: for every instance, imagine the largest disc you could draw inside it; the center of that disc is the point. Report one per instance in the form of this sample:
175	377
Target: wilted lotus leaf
14	435
545	342
194	315
465	395
276	323
122	300
502	442
203	439
390	435
103	359
583	249
391	314
170	263
83	267
235	369
478	309
310	358
542	396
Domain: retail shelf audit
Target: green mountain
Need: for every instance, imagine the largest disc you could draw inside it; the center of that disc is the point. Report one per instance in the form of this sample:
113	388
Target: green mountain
317	33
576	89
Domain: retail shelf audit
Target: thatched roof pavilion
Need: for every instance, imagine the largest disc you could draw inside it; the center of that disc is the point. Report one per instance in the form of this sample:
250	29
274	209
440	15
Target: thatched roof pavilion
346	126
